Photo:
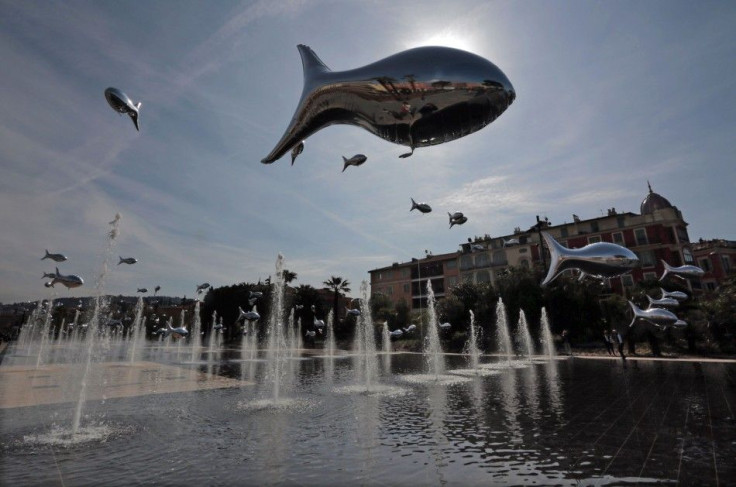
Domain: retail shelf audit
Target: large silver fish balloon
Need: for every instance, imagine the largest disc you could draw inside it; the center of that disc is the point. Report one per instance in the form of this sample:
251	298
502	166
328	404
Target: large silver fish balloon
319	323
663	302
396	333
601	259
678	295
655	316
685	271
417	98
54	257
202	287
410	329
69	281
120	102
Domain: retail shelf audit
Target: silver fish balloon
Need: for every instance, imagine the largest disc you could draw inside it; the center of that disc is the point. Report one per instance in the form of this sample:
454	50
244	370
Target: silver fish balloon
156	289
69	281
420	97
120	102
663	302
684	271
356	161
445	326
600	259
298	149
410	329
477	248
678	295
255	294
457	218
247	315
396	333
142	290
352	312
310	334
127	260
319	323
54	257
422	207
202	287
655	316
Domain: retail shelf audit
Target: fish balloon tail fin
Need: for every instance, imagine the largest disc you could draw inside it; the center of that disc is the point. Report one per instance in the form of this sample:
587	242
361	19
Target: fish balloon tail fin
47	255
345	165
637	313
413	204
121	260
57	272
667	269
557	253
311	63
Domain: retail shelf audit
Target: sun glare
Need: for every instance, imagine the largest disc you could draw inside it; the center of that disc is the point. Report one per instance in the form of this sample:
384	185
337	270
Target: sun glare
447	38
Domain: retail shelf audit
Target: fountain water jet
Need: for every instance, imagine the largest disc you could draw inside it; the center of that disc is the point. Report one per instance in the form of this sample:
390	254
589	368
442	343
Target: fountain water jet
433	350
196	334
275	353
502	331
472	345
366	342
548	344
523	335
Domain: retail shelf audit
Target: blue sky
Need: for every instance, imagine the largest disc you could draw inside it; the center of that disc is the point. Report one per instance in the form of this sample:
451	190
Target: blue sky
609	95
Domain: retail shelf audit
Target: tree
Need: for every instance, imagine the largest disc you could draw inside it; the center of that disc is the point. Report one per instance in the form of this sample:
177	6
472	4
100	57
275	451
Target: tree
288	276
338	285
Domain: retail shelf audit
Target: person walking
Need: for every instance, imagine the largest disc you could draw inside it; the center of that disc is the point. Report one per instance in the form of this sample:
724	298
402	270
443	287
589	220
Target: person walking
608	342
620	342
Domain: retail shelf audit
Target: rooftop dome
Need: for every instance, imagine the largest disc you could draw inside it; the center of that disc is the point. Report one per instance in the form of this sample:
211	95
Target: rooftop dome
653	201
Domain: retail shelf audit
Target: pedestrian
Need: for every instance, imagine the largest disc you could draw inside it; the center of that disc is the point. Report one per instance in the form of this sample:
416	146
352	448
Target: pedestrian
608	342
620	342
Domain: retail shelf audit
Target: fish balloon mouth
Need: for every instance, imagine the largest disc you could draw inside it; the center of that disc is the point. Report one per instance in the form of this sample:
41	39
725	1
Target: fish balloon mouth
448	94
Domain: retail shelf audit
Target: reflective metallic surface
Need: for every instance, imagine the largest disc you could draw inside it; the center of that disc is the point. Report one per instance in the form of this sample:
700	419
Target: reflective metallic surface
54	257
417	98
298	149
70	281
678	295
422	207
685	271
663	302
120	102
600	259
655	316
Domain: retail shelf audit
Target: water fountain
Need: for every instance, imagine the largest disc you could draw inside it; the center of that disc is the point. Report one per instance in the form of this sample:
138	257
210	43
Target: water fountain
548	344
433	349
276	347
330	330
137	334
367	372
502	331
523	336
195	337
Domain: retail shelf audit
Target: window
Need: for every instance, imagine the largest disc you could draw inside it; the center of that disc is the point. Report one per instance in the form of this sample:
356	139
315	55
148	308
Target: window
687	255
482	260
710	286
647	259
452	281
682	235
482	276
499	257
380	276
406	288
522	240
563	232
523	250
705	265
467	277
390	290
650	276
451	264
595	239
641	236
627	280
726	263
466	262
404	273
594	227
618	238
621	221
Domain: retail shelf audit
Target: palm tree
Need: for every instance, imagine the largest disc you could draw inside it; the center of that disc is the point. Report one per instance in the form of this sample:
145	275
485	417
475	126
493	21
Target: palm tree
288	276
338	285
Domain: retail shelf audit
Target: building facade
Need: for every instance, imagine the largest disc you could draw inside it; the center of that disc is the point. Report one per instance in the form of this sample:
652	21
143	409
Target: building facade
717	258
658	233
408	280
